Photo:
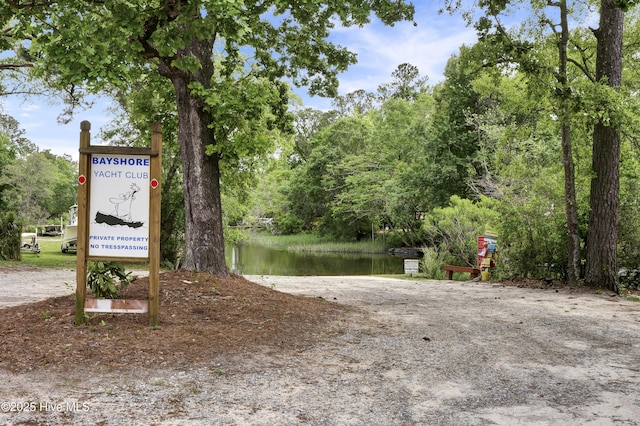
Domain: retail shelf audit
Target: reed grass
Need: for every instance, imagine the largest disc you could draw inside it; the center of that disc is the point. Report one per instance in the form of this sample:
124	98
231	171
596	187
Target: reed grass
312	243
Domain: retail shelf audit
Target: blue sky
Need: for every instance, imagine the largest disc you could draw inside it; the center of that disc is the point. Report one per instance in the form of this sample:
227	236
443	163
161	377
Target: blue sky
380	49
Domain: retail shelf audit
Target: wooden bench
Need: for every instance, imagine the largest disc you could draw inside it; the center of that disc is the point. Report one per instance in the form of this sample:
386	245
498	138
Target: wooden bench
450	269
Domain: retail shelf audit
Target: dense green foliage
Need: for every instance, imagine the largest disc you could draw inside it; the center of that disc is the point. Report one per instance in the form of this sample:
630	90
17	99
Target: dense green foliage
10	231
453	230
107	279
479	151
226	61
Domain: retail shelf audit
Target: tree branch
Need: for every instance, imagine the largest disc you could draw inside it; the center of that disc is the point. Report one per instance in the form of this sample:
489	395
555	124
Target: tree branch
15	66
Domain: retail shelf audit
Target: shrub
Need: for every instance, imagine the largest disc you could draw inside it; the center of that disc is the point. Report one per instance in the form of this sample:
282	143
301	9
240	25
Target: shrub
287	224
107	279
10	232
432	263
533	238
630	278
454	230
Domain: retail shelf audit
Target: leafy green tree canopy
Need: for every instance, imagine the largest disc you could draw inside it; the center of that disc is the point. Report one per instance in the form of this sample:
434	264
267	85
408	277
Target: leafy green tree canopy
225	60
107	42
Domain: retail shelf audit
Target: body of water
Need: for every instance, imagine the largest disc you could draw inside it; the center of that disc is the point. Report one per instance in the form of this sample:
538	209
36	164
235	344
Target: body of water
248	259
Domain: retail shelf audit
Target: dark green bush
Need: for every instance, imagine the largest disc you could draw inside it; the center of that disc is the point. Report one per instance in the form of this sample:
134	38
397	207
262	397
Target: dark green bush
107	279
10	231
454	230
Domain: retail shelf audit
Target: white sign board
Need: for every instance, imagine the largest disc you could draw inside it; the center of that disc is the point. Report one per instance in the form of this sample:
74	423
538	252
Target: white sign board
119	206
411	266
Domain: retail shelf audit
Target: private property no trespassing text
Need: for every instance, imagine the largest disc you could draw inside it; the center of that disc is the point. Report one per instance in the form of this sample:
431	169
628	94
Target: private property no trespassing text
118	239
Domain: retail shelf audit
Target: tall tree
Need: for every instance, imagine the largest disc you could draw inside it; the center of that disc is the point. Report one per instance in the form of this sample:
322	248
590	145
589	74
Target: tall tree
7	157
521	53
63	183
407	84
307	123
453	141
20	144
113	41
602	237
601	241
563	95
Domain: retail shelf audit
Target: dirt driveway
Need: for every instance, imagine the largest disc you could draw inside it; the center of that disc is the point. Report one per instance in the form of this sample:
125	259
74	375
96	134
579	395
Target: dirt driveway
415	352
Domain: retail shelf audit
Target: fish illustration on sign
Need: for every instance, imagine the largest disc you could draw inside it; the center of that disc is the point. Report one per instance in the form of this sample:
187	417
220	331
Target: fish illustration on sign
121	213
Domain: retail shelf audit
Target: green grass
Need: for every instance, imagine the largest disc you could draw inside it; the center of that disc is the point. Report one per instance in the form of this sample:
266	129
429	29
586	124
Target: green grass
317	244
51	256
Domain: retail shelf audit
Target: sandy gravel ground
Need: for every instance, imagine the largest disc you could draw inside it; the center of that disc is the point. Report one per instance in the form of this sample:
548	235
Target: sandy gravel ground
419	353
25	285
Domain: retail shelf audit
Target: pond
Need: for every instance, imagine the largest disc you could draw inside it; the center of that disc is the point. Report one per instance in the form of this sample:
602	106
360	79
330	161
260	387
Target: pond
246	259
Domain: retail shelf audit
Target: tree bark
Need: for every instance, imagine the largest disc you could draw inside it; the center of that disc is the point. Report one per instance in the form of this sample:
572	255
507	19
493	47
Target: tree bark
573	236
602	237
204	239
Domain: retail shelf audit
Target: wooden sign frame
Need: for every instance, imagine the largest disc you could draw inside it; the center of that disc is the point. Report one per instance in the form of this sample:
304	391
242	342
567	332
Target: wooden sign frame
151	305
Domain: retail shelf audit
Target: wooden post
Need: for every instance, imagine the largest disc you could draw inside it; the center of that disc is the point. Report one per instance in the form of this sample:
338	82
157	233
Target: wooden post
155	171
83	208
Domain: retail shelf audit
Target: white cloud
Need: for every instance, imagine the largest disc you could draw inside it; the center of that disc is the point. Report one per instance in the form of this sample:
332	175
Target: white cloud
380	53
381	49
31	107
60	145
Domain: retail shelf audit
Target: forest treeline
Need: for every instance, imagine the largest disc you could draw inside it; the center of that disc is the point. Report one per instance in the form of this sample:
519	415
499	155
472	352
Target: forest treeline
436	166
38	186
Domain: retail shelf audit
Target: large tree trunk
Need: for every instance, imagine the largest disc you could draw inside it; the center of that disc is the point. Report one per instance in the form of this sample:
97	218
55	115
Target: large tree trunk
602	237
204	239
